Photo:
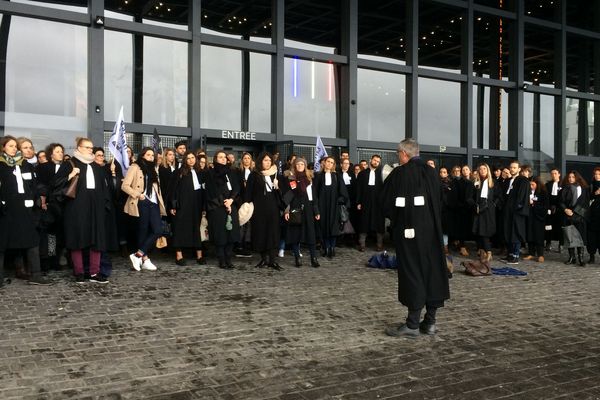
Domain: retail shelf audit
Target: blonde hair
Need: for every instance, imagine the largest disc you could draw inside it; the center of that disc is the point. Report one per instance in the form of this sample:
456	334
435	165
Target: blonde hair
309	173
165	152
489	178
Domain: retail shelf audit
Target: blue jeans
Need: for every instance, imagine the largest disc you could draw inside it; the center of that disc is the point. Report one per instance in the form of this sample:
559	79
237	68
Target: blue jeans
149	225
515	249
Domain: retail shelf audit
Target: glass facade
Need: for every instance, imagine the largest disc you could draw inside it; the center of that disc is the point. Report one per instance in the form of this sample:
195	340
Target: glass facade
456	75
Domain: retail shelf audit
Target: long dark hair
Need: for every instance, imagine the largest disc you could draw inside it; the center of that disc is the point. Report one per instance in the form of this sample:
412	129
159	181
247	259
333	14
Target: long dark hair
147	167
578	179
258	163
185	169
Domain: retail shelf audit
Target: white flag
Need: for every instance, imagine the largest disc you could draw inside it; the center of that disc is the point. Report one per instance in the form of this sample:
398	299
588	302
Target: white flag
117	144
320	152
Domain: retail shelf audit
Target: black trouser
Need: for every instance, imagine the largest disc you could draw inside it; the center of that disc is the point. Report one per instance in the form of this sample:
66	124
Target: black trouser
483	243
414	316
593	242
268	255
224	253
535	249
33	262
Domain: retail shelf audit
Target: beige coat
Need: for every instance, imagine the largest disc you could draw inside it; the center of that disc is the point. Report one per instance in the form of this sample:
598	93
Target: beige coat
133	185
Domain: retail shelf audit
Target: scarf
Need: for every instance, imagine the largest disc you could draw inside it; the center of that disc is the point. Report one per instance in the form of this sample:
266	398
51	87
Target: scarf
12	161
269	172
86	159
33	160
150	175
303	181
221	170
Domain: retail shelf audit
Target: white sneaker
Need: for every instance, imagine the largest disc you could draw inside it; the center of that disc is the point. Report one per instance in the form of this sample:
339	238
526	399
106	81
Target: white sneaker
136	261
148	266
280	254
300	254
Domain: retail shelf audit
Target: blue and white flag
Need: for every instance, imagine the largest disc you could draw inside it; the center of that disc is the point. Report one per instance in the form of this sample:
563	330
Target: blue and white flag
117	144
320	152
156	143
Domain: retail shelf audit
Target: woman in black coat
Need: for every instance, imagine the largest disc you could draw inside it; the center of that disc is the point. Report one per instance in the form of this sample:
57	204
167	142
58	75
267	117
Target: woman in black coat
221	210
85	215
187	205
301	199
593	242
536	221
574	203
331	192
18	213
262	189
485	196
166	172
348	178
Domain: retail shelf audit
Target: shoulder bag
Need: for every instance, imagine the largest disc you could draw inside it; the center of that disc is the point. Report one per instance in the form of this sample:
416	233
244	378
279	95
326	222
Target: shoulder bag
71	191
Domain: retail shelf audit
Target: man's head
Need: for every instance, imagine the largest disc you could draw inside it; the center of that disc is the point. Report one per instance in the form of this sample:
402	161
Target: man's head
555	174
514	168
407	149
180	148
456	171
526	171
431	163
363	164
375	161
230	158
344	155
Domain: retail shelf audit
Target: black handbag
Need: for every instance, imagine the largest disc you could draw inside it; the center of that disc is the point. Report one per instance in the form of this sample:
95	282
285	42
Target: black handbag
344	215
296	216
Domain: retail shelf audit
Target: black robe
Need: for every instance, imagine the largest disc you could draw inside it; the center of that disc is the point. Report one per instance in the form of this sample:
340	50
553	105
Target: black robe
351	190
536	221
189	204
484	217
264	224
422	273
85	215
446	196
166	178
516	209
579	206
296	198
556	217
371	217
18	212
216	213
330	198
51	219
461	206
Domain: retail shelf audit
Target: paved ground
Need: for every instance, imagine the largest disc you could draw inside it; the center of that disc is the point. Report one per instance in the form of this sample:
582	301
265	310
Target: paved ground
204	333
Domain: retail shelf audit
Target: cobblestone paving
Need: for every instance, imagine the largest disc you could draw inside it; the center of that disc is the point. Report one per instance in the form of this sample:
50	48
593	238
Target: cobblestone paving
199	332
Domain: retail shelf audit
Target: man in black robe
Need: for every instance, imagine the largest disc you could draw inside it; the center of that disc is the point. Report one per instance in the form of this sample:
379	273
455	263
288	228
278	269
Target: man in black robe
412	199
553	187
516	210
368	194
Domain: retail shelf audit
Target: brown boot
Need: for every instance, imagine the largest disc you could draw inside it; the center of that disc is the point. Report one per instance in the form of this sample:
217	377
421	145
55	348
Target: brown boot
464	252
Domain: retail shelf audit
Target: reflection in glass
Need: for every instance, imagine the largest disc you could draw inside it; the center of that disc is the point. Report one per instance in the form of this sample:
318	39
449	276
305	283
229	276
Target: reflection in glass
382	30
221	88
538	125
490	118
501	4
241	19
439	112
439	37
46	81
539	56
67	5
583	14
583	135
172	14
310	102
549	10
381	106
317	23
260	93
118	75
165	82
583	58
491	46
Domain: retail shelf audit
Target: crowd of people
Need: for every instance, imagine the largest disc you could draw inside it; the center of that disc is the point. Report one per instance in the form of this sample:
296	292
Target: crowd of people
58	210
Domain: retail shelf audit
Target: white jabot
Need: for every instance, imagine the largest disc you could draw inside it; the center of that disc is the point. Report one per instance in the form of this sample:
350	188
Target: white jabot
346	177
19	176
56	167
510	185
172	167
195	180
153	197
327	178
578	191
90	183
246	173
554	189
484	189
309	192
269	183
371	178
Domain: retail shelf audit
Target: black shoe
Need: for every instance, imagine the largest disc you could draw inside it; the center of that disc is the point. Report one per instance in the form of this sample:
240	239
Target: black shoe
275	266
314	262
229	266
80	278
200	261
99	278
324	251
180	262
571	261
261	264
592	259
427	329
329	253
512	260
332	252
402	331
297	262
39	280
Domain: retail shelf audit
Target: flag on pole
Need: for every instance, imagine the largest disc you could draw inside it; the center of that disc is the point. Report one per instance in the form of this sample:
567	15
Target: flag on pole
117	144
156	143
320	152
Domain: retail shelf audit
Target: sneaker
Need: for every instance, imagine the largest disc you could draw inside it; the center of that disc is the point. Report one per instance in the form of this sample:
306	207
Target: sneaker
99	278
513	260
243	253
136	261
180	262
148	266
281	253
39	280
79	279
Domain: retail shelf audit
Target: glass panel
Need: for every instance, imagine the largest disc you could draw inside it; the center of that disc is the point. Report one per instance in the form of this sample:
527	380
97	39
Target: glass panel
118	75
549	10
46	80
172	14
260	93
583	60
584	14
241	19
66	5
491	46
439	37
310	105
316	24
508	5
165	82
381	106
583	136
221	88
382	30
439	112
539	56
538	131
490	118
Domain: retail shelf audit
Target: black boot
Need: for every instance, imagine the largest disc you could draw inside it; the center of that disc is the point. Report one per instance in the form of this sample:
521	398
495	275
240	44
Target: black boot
262	263
580	256
592	259
314	262
329	252
332	252
571	259
297	262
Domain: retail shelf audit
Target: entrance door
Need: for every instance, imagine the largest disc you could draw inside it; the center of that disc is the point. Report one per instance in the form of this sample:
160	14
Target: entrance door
237	149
